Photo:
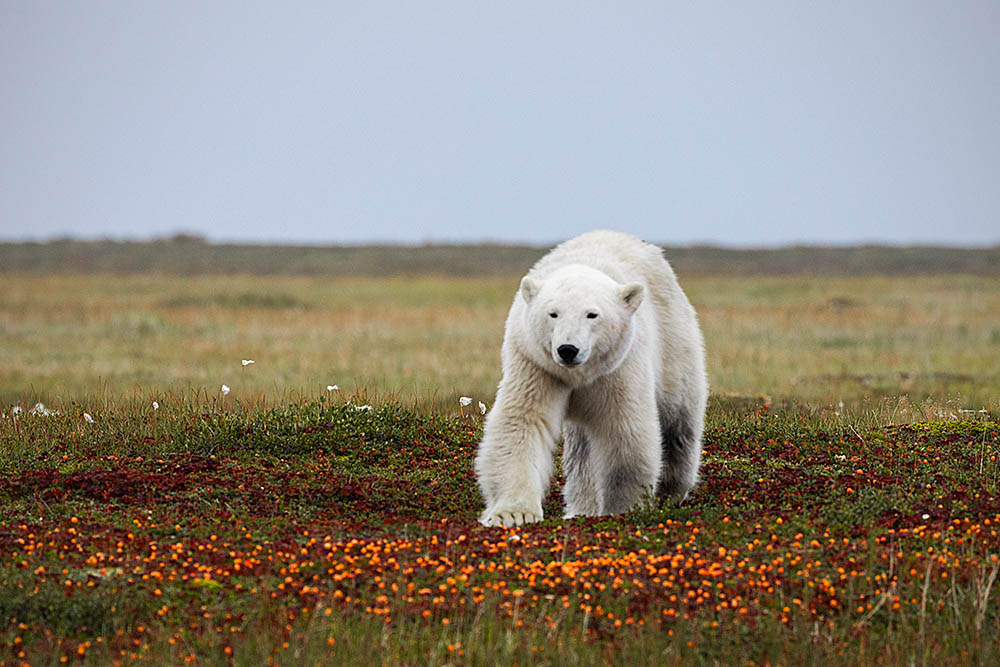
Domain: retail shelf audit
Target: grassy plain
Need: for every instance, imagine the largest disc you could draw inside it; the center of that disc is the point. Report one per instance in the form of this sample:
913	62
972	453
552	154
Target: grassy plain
287	524
427	340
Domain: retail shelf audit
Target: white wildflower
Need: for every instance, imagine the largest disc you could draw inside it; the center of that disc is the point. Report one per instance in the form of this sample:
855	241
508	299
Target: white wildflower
514	538
482	407
16	410
925	517
40	409
247	362
333	387
156	406
464	401
362	408
87	418
225	390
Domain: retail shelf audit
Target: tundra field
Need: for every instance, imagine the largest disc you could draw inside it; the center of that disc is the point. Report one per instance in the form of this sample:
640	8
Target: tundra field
847	514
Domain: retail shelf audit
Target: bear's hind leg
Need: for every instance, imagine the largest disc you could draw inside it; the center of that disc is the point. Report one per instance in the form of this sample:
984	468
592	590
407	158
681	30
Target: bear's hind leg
580	492
681	452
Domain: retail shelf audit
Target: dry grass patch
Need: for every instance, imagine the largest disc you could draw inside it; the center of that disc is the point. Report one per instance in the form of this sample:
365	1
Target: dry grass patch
426	340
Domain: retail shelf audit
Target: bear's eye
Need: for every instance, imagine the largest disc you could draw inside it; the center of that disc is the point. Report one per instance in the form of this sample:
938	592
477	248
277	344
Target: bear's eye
553	315
591	316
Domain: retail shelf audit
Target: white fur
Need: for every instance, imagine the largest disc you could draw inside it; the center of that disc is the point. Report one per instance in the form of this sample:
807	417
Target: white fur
630	408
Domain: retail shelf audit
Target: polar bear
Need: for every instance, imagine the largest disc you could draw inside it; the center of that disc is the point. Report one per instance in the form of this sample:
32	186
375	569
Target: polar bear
603	348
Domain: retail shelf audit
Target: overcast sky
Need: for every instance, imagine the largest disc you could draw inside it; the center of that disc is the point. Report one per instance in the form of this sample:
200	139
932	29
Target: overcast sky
743	123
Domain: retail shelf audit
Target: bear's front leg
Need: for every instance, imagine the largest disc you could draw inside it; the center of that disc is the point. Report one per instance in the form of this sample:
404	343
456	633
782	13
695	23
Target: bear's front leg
514	461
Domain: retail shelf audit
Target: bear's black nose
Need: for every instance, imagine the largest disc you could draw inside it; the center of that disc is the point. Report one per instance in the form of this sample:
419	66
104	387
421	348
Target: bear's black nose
567	353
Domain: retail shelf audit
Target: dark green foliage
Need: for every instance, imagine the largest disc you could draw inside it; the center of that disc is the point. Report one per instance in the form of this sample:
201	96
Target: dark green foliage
47	605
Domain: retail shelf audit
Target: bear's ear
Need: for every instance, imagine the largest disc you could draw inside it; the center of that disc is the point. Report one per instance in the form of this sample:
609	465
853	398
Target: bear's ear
529	288
632	295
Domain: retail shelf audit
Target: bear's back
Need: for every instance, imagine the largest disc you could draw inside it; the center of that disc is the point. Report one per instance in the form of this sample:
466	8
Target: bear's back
623	257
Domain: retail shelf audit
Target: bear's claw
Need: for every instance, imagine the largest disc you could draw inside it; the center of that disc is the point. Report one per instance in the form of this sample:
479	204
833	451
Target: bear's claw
509	518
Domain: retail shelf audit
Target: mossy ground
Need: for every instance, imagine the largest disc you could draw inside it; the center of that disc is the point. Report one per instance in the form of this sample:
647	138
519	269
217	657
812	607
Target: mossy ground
319	531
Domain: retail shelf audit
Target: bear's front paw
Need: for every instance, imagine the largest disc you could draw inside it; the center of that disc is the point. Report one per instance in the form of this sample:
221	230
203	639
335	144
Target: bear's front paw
508	518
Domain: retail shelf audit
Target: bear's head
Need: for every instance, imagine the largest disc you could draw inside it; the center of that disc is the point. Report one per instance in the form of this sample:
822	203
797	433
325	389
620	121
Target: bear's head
579	321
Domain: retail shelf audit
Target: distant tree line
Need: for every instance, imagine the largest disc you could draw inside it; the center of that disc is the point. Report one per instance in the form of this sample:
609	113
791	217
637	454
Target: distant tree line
189	254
